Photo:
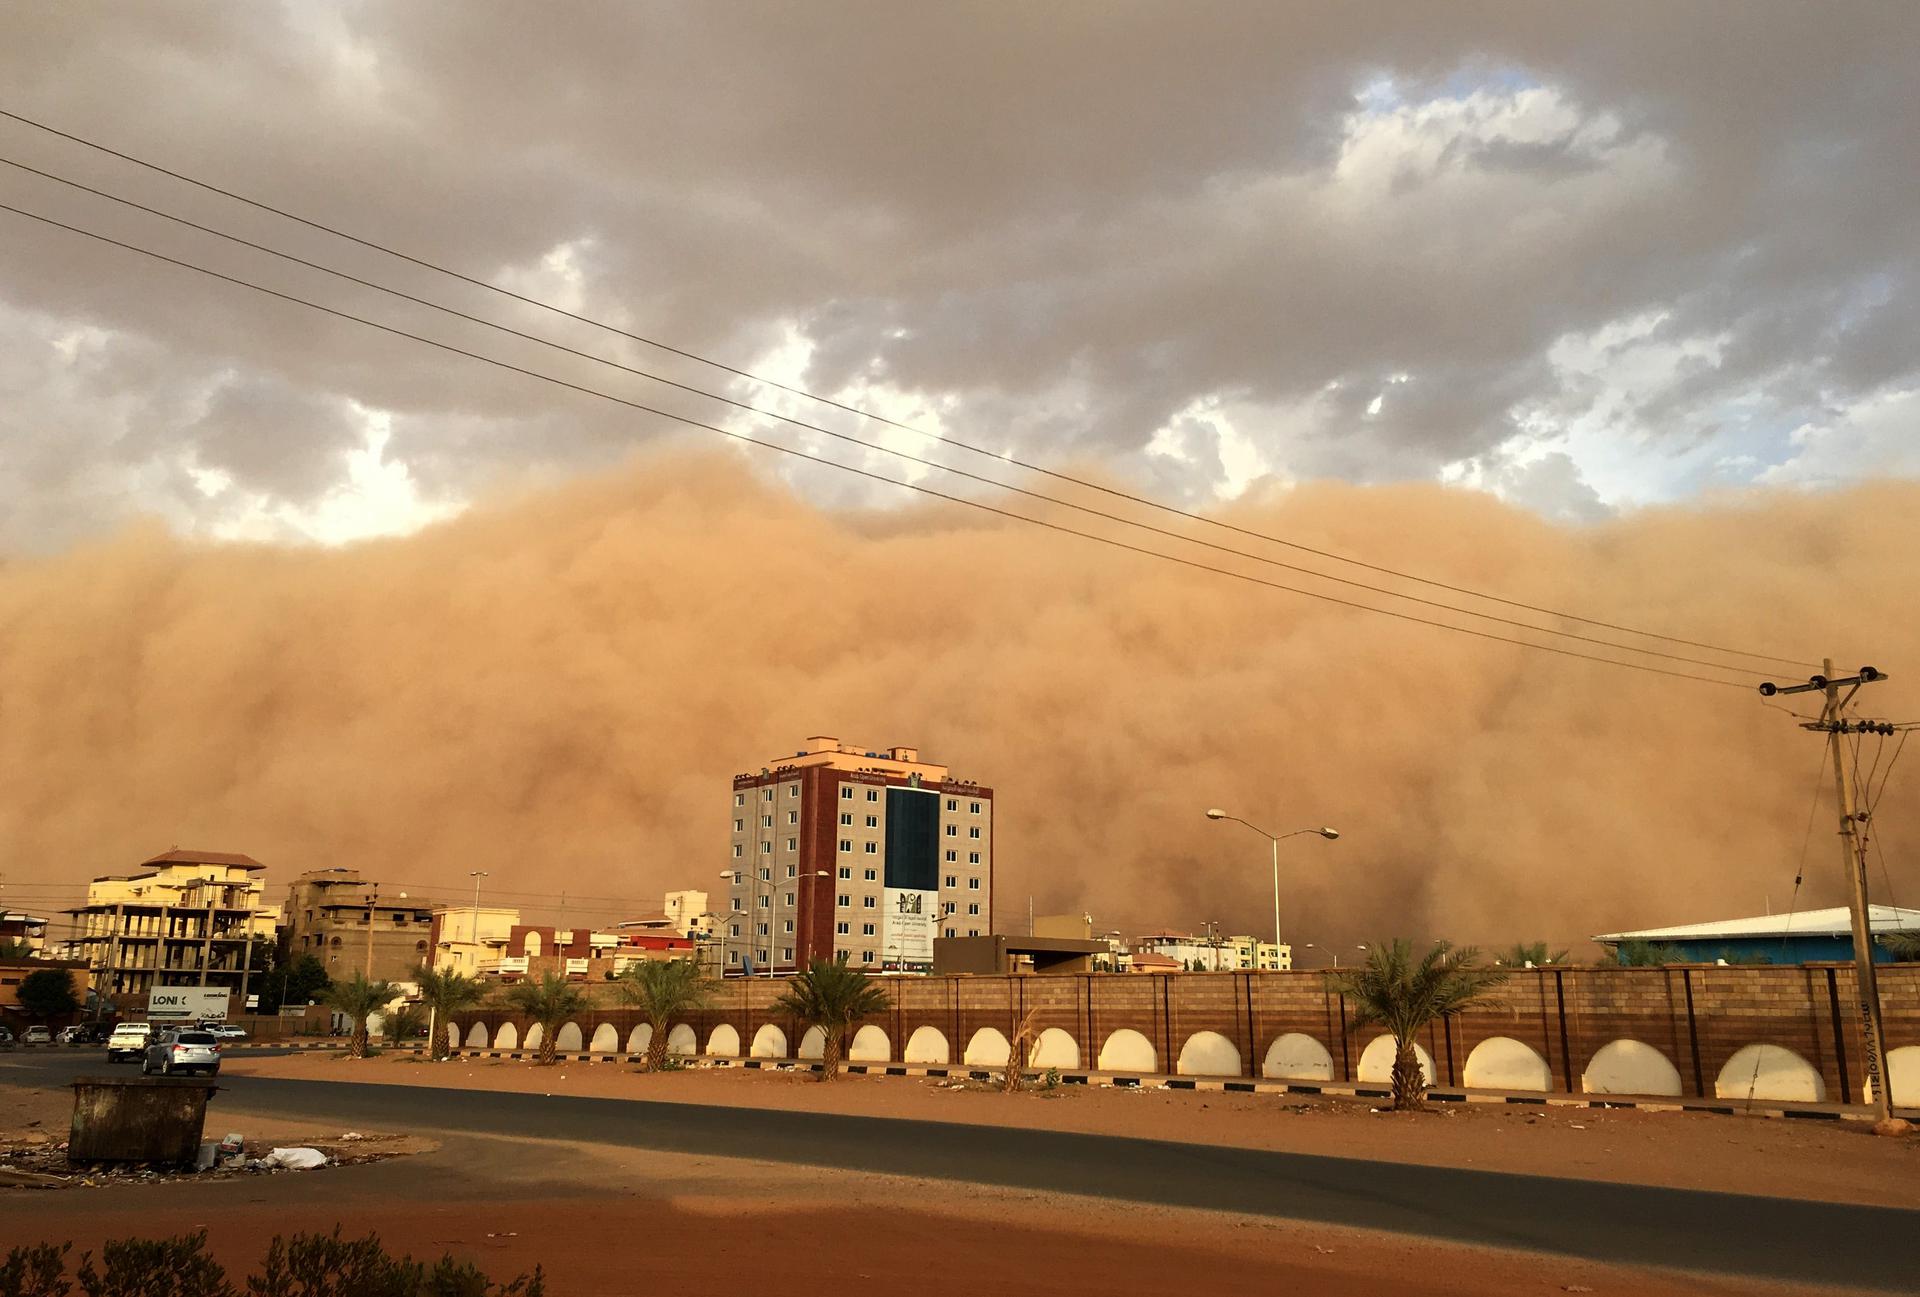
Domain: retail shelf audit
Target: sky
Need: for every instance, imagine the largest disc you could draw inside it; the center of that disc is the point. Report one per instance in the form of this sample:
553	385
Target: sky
1606	308
1587	258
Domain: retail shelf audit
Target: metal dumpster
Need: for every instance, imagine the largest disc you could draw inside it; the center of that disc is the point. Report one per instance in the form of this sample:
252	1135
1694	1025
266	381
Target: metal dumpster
137	1118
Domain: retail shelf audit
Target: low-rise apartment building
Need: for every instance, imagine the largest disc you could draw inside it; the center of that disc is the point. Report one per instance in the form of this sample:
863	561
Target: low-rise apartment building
348	924
466	938
1216	954
21	930
185	918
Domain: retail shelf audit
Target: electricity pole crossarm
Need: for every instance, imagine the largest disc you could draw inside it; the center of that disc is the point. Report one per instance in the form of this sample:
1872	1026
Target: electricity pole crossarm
1853	856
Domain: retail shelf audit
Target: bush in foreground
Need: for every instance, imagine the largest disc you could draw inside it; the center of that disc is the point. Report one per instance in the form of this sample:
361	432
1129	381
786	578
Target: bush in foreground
307	1265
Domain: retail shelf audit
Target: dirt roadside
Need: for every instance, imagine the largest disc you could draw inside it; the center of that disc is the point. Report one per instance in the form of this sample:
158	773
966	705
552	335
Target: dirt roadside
1826	1160
614	1220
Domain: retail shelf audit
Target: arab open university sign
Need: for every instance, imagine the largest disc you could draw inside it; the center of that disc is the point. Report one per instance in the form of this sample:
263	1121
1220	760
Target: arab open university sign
908	925
186	1003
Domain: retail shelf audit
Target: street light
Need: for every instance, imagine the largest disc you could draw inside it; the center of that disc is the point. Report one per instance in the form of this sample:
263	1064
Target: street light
476	875
1329	834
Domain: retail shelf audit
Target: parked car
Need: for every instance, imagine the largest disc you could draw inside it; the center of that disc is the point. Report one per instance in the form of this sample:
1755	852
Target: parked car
225	1031
37	1036
185	1049
83	1033
6	1038
128	1041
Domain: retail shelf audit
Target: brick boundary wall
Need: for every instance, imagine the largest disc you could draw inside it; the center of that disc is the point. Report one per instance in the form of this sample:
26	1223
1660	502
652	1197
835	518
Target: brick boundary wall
1697	1017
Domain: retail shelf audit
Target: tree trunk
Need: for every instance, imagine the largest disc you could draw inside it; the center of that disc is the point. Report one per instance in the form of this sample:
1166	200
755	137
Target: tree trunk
437	1047
357	1042
830	1054
1409	1083
549	1046
656	1048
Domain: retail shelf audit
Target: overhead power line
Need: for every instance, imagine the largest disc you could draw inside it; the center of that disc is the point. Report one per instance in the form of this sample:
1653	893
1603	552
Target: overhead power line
867	445
958	443
868	474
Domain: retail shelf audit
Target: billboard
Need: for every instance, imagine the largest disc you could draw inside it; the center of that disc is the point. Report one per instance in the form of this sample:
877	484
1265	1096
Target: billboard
911	888
186	1003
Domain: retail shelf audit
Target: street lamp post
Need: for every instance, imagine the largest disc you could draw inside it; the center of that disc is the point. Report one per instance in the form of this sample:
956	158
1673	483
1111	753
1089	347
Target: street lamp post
473	934
1330	834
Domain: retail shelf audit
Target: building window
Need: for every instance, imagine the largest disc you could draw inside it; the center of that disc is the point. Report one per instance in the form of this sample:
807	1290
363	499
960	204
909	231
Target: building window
949	932
793	790
873	848
973	831
789	900
786	952
766	821
766	902
733	930
872	875
843	900
867	903
793	844
866	929
841	927
973	907
953	830
846	792
733	956
973	932
873	821
762	929
949	908
846	818
873	794
973	857
974	808
951	881
766	875
739	799
793	817
736	909
953	804
791	871
736	851
846	844
866	956
846	871
766	794
952	855
739	826
788	926
973	884
766	848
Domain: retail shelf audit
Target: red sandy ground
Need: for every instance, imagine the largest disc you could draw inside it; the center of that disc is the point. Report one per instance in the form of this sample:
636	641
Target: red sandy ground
1838	1161
613	1220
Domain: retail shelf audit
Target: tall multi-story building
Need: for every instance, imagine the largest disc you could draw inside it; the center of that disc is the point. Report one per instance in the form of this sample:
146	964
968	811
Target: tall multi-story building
841	850
187	918
350	925
19	929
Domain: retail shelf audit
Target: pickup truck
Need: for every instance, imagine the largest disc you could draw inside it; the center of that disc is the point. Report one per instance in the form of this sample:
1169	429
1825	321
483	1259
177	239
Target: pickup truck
128	1042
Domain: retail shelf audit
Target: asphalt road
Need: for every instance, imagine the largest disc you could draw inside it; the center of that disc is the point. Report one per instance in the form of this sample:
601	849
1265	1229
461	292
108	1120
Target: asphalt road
1728	1234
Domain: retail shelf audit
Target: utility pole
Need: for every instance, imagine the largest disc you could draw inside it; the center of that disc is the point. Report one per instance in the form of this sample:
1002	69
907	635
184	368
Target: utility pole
373	897
473	932
1854	831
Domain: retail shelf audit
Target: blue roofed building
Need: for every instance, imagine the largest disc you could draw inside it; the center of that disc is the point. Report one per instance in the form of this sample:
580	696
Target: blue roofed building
1806	937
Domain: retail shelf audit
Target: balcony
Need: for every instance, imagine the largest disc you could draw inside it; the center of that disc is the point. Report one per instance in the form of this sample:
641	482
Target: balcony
506	966
575	967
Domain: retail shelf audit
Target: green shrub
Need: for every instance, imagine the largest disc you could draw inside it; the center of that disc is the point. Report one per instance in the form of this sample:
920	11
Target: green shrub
38	1271
167	1267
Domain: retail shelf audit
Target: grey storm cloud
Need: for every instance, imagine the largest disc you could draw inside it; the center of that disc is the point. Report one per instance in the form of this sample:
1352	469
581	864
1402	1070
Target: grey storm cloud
1068	227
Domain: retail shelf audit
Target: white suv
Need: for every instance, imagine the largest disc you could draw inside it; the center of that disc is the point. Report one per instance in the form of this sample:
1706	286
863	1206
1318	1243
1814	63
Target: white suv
186	1049
128	1041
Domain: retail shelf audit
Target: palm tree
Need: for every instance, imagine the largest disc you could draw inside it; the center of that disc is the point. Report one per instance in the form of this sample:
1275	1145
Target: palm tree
445	994
1903	946
1524	953
359	999
1394	991
1638	952
549	1002
832	996
663	989
404	1021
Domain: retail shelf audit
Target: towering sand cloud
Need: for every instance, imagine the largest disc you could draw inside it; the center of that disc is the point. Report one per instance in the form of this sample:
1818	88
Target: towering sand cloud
555	688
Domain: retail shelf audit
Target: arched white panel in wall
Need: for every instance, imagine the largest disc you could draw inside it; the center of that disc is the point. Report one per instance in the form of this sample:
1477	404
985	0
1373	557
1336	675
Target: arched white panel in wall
724	1042
476	1036
769	1042
1629	1067
1208	1053
987	1048
870	1045
508	1037
530	946
682	1041
1055	1048
813	1045
606	1039
1903	1067
925	1045
1503	1063
535	1034
1769	1072
1376	1062
1296	1057
639	1038
568	1039
1127	1050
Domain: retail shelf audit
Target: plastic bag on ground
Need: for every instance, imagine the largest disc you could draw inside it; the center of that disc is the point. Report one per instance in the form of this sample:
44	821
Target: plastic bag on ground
295	1159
